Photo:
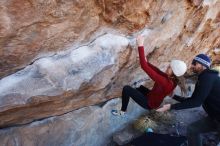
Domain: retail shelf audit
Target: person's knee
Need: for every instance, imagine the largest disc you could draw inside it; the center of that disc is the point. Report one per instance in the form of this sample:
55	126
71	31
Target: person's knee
126	88
143	87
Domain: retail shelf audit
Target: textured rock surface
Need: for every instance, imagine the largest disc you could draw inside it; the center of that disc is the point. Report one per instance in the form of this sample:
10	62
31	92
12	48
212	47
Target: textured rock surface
30	29
77	75
179	122
89	126
72	54
215	54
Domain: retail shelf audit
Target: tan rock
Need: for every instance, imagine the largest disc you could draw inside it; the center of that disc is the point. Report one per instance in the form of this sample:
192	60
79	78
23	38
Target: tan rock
72	54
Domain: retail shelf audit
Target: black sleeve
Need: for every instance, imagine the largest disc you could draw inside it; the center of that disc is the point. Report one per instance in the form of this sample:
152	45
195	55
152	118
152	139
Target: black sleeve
179	98
202	90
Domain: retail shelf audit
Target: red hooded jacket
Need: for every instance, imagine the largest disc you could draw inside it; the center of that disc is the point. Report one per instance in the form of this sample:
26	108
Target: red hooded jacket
163	85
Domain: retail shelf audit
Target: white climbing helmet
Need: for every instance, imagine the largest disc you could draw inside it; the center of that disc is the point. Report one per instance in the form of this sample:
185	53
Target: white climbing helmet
179	67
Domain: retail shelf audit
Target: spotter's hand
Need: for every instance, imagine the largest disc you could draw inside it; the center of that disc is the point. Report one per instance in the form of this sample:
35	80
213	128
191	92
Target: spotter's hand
164	108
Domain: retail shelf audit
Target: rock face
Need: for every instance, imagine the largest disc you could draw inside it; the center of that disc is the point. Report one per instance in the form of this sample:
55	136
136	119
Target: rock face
63	82
89	126
58	56
30	29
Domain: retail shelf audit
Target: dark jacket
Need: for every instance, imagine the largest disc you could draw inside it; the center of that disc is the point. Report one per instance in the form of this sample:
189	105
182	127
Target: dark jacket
206	93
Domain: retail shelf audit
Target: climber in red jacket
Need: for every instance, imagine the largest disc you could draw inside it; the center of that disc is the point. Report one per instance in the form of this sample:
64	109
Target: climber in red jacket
164	84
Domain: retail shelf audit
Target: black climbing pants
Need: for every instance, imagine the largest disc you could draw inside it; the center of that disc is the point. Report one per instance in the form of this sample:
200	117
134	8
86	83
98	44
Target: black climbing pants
138	95
203	125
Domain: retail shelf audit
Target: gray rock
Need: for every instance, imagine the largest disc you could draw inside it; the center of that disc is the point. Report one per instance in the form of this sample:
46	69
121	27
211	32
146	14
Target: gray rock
89	126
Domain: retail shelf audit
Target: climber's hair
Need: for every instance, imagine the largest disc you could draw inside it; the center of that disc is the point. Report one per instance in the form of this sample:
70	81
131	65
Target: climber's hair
181	82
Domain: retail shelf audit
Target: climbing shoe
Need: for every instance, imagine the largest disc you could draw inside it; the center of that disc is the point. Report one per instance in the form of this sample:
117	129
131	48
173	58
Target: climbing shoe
118	113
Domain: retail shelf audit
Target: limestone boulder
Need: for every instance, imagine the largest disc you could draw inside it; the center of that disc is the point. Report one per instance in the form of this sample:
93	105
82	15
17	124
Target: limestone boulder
59	56
89	126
